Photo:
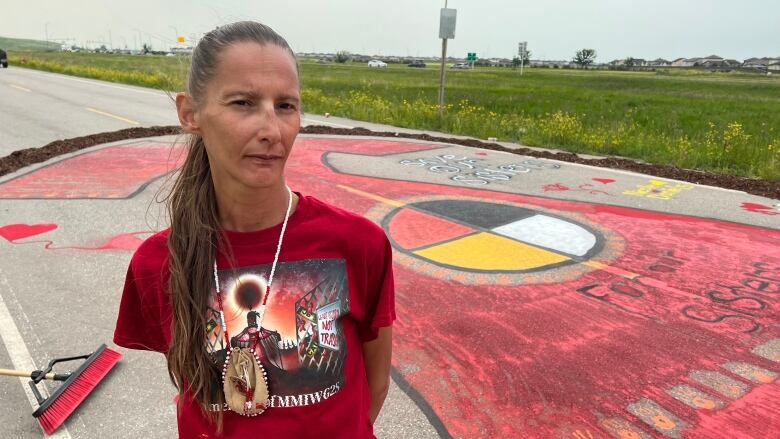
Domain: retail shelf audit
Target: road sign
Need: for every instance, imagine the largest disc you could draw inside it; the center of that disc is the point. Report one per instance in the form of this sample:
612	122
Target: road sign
471	56
522	49
447	23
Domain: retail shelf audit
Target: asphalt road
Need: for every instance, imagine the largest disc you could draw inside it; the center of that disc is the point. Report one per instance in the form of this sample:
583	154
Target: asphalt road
40	107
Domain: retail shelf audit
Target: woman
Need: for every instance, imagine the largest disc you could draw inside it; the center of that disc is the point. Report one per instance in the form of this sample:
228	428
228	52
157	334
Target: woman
273	308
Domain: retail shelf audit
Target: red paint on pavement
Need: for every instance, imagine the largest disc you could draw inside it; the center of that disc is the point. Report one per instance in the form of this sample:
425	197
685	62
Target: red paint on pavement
555	187
125	241
538	356
759	208
15	232
554	358
742	417
111	172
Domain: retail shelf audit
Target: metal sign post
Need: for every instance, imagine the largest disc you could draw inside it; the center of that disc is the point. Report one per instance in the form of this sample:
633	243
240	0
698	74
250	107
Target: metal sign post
446	31
522	49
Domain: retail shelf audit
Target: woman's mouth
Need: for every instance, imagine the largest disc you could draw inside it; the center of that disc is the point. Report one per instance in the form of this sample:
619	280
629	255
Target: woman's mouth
263	158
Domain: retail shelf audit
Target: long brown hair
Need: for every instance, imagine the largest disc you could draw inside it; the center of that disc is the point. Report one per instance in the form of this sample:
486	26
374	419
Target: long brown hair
195	237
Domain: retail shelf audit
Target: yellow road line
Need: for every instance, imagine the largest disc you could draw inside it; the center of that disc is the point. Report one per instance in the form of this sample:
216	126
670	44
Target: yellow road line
130	121
611	269
387	201
19	87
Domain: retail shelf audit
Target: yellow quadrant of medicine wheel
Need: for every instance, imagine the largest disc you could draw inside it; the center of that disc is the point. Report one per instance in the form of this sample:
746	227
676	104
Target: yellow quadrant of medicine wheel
486	251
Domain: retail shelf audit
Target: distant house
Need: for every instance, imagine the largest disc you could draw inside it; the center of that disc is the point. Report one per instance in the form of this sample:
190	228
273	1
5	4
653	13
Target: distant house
755	63
712	61
549	63
660	62
182	50
759	63
775	66
712	58
684	62
635	62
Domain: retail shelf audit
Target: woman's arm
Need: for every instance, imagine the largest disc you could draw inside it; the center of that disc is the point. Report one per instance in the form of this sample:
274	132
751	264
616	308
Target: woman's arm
376	355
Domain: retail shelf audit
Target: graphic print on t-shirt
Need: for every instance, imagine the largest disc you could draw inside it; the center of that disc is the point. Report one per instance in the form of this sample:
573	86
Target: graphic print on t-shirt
300	340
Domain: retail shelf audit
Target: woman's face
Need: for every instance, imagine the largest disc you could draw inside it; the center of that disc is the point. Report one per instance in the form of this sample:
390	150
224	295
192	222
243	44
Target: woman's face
250	116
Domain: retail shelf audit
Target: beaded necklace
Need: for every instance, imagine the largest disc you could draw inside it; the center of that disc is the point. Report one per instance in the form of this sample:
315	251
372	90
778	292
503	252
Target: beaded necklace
242	366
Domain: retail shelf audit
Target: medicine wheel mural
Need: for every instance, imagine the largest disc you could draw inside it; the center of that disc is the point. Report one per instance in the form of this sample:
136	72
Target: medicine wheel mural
486	237
485	242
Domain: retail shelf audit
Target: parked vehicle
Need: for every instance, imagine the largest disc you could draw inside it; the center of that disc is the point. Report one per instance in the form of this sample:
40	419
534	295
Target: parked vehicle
461	65
3	59
417	63
377	64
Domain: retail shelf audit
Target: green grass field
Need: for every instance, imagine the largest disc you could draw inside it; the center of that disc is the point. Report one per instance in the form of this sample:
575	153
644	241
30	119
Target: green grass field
723	122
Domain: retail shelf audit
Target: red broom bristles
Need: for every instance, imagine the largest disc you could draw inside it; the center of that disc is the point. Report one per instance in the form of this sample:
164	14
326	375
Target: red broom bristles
76	391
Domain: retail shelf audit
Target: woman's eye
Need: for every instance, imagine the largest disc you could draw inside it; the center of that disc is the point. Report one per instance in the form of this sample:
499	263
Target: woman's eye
287	106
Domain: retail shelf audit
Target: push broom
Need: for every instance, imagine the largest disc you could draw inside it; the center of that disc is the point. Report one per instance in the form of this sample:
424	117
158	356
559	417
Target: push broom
53	411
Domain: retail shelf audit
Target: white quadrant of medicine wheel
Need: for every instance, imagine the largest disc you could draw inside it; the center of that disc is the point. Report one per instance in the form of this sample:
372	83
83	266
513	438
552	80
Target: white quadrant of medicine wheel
549	232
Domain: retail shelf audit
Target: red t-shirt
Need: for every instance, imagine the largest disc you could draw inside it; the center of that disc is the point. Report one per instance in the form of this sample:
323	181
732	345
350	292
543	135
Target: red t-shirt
332	291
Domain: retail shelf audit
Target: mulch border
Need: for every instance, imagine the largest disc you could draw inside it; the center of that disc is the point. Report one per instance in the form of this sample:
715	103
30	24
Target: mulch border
765	188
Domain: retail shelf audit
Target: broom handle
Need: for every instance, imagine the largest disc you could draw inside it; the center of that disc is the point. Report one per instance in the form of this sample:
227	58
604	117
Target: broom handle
23	374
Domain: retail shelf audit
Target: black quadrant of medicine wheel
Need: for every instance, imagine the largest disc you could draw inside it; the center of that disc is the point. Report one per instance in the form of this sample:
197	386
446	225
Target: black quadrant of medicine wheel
483	216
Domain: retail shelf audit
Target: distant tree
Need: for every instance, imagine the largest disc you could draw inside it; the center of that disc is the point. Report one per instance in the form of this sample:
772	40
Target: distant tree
516	62
146	49
584	57
342	56
629	62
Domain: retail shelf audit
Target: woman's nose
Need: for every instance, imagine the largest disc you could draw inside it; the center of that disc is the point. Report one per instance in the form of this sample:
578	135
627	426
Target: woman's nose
268	126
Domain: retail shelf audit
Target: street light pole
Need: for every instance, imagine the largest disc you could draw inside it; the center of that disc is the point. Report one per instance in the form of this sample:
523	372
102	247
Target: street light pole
176	31
140	44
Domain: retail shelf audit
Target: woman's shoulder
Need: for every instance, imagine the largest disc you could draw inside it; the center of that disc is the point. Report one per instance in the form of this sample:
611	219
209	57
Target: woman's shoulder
152	255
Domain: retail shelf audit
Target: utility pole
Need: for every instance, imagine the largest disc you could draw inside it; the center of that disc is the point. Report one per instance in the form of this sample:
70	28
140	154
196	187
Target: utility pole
446	31
139	46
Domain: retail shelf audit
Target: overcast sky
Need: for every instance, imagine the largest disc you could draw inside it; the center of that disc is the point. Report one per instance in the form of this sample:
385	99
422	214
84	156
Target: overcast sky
554	29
